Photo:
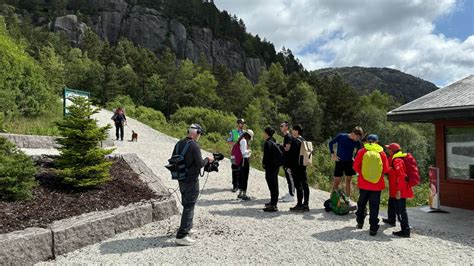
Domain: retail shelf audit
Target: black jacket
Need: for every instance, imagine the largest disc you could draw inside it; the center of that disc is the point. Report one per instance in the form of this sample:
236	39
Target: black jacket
192	158
270	154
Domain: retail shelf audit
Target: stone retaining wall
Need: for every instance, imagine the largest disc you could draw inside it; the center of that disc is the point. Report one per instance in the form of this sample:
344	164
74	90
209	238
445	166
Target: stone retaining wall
32	245
40	142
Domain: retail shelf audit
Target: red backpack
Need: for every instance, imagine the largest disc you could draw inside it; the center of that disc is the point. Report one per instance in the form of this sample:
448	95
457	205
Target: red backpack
236	154
411	168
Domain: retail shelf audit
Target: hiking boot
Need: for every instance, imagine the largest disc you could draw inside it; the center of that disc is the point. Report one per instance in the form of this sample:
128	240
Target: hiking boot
360	226
240	194
297	208
270	209
305	208
405	234
288	198
185	241
373	230
268	204
387	221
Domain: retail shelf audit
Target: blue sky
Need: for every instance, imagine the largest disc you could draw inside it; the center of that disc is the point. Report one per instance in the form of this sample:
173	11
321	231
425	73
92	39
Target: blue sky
430	39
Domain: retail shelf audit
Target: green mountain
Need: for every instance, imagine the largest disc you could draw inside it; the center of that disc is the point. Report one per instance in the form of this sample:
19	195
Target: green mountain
402	86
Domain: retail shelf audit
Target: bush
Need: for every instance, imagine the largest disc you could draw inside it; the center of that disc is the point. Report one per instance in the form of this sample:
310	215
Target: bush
82	162
17	172
210	120
144	114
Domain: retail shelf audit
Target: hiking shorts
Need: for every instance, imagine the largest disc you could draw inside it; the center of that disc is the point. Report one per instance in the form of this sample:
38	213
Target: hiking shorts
344	168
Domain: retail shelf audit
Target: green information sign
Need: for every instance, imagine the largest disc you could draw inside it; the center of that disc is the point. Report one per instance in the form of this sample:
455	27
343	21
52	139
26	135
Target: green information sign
68	93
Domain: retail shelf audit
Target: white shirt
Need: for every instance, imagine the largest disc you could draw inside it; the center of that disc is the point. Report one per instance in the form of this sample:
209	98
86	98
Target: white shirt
244	148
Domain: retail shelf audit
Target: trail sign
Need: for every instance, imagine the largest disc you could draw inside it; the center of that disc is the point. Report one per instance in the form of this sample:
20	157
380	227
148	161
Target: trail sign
68	93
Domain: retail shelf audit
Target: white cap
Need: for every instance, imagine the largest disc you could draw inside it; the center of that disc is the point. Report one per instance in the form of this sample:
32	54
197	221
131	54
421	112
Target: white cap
250	132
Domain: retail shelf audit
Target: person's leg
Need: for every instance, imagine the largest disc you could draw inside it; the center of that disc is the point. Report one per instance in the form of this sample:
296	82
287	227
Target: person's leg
244	178
290	181
298	185
392	210
274	187
403	216
348	186
361	205
374	204
338	173
268	178
235	176
121	132
304	183
189	194
117	130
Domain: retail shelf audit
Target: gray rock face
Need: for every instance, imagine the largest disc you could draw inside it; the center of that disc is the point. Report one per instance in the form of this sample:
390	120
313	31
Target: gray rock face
71	27
26	247
146	27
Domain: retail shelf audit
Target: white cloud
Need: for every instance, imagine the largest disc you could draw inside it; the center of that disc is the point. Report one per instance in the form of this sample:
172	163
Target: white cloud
384	33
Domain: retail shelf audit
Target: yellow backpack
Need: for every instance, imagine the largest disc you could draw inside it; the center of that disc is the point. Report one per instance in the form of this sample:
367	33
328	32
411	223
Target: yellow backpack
372	166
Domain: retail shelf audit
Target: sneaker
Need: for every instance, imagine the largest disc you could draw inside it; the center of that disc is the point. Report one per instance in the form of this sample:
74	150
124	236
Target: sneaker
241	193
405	234
270	209
360	226
235	189
245	197
185	241
372	233
305	208
287	198
297	208
268	204
191	232
387	221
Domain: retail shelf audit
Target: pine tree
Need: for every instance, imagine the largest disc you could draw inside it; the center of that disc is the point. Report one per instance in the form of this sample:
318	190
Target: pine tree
82	162
17	172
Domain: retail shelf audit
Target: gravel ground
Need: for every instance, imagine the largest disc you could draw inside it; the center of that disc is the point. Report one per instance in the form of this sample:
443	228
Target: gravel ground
231	231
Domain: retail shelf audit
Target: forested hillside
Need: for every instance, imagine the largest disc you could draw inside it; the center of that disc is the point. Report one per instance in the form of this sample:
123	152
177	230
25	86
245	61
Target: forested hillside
156	88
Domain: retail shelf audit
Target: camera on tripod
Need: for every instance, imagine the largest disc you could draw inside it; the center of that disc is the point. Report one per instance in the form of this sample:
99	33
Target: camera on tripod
214	166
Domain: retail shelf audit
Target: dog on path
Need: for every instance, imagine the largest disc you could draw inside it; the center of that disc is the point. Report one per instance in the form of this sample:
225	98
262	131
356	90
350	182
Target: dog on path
134	136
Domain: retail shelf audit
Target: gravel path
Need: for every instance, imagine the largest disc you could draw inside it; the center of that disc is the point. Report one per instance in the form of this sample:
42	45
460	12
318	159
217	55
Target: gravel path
231	231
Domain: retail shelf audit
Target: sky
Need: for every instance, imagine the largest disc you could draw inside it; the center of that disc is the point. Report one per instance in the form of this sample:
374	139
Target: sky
430	39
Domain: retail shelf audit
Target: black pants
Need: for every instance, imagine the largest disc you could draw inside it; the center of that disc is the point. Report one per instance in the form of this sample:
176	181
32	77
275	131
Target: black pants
398	208
271	175
119	131
290	181
392	210
373	197
301	184
189	189
235	175
244	174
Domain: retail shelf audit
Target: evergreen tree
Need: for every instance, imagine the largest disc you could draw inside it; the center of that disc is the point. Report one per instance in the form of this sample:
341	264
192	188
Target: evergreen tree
17	172
82	163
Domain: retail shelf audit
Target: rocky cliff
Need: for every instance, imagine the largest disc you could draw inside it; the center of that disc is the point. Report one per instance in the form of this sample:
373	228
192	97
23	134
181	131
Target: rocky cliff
147	27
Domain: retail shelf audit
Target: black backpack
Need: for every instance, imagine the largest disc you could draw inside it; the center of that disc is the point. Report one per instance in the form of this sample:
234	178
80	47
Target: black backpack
177	165
279	154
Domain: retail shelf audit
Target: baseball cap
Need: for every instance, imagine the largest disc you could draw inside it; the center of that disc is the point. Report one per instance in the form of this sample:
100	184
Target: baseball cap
250	132
394	147
240	121
198	127
372	138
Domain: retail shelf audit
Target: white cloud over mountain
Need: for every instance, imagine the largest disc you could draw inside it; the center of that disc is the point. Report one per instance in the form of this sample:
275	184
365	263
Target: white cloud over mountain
385	33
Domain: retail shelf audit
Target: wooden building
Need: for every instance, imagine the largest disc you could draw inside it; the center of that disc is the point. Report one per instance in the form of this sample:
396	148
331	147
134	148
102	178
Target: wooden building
451	110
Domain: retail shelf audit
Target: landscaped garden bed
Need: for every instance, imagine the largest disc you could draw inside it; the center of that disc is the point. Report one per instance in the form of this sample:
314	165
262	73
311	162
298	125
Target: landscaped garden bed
52	201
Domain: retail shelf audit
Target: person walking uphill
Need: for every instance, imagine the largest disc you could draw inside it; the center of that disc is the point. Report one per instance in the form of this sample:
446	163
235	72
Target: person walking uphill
346	143
272	156
189	186
245	163
399	190
298	171
234	135
371	164
120	120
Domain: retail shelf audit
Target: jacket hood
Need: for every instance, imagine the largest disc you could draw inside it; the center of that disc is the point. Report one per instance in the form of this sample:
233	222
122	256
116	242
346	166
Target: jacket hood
399	154
373	147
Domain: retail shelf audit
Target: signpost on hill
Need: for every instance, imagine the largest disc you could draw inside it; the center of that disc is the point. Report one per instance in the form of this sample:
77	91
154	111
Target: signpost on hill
67	93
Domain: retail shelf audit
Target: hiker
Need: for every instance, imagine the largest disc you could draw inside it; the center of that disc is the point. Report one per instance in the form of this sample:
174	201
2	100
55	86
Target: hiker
272	156
346	143
234	135
298	170
189	187
371	164
245	163
120	120
399	190
287	140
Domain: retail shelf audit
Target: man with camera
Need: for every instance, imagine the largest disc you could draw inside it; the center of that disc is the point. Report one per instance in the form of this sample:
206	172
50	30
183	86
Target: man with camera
189	186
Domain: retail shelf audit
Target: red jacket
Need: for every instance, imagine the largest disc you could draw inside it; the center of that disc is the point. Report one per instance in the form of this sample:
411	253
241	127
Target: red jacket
396	177
361	182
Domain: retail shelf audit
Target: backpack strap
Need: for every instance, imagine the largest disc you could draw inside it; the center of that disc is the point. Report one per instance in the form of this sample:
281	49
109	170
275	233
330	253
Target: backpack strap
186	147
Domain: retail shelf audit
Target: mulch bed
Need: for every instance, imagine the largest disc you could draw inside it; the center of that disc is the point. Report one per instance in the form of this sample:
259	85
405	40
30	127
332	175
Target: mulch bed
53	202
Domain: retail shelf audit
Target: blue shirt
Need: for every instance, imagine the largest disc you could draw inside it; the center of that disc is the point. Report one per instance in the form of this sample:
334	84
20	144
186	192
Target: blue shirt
345	146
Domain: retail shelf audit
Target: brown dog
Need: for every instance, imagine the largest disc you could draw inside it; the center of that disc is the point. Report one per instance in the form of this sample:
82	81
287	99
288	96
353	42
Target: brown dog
134	136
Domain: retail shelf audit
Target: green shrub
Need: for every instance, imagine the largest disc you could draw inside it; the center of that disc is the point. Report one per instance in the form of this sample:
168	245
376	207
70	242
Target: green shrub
125	102
17	172
82	162
211	120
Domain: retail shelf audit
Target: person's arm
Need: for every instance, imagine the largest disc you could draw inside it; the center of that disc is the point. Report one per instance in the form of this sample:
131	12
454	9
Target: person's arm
196	155
243	148
357	166
334	157
230	138
287	143
385	165
266	154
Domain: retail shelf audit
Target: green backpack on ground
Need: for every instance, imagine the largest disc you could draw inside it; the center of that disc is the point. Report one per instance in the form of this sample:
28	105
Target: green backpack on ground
340	203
